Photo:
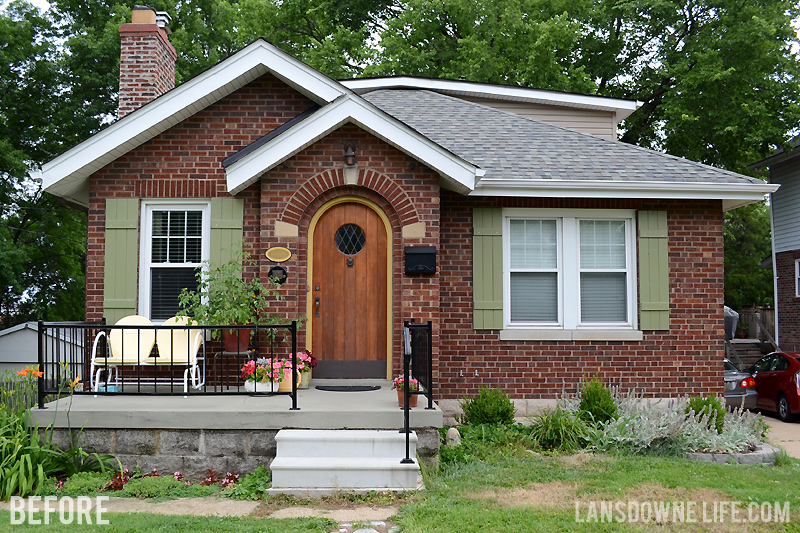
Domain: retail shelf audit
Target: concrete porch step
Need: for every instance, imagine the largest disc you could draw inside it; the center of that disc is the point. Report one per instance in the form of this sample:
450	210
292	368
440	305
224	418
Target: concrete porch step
322	461
344	443
344	473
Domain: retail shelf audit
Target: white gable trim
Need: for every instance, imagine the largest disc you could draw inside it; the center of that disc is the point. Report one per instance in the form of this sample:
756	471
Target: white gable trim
622	108
458	173
732	194
67	175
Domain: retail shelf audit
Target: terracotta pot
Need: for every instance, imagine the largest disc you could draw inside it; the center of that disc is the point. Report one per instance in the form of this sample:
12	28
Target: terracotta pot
286	385
236	340
412	400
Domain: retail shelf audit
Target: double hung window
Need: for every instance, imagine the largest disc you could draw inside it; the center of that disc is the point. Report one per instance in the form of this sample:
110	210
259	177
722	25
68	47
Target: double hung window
797	277
174	245
569	269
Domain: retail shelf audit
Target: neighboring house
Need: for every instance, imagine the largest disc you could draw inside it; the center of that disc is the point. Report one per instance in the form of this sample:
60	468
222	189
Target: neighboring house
784	170
19	346
560	252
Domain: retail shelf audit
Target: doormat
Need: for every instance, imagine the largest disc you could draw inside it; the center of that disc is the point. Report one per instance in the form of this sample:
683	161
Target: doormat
348	388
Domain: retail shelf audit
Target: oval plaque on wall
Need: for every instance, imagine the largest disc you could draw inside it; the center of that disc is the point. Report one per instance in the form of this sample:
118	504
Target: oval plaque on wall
279	254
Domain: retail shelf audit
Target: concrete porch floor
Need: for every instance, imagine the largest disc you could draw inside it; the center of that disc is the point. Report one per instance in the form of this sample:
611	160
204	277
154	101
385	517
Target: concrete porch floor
317	410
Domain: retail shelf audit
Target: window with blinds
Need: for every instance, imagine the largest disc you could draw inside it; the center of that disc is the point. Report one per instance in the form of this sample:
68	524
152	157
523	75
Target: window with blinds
603	269
534	273
174	247
568	269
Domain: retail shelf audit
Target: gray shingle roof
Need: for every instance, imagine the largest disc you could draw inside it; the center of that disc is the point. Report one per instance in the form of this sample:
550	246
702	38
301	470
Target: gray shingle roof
510	146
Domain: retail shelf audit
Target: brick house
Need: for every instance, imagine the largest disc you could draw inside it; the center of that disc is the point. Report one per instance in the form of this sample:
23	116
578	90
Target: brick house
785	214
560	252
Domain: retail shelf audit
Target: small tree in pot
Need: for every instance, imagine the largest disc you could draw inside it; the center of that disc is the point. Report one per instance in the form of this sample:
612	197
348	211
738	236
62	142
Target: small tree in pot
223	298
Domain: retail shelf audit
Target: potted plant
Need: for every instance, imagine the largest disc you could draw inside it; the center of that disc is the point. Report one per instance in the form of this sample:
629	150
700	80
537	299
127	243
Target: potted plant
399	383
223	298
267	375
305	363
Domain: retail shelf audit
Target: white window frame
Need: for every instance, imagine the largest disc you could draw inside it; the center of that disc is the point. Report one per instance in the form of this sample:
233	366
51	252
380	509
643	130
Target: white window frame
146	241
797	278
569	325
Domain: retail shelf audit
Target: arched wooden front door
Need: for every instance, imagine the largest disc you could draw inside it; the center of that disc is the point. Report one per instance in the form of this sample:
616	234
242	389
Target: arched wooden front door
349	295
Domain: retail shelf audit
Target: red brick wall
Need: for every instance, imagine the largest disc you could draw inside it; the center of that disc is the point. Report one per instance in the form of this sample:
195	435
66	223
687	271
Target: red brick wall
788	302
406	191
687	359
147	66
186	162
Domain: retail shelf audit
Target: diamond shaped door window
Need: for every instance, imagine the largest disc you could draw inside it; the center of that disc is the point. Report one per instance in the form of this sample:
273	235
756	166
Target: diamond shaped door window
350	239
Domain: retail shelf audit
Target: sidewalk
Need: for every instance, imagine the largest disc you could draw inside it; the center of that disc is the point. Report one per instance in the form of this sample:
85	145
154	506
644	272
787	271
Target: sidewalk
785	435
349	519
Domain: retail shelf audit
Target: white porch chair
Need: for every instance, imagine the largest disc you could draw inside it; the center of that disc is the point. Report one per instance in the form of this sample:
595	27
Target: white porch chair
181	347
128	347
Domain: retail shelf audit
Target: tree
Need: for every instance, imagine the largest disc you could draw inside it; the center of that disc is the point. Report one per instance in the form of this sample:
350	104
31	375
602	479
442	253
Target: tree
41	241
718	79
747	243
519	42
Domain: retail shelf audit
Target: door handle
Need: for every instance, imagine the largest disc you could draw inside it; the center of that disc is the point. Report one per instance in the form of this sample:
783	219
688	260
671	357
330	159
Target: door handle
316	305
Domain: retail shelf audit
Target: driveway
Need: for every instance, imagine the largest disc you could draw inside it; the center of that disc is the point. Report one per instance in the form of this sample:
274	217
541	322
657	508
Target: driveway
785	435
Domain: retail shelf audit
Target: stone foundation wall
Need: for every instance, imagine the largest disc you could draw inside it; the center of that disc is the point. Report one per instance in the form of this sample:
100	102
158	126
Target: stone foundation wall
193	452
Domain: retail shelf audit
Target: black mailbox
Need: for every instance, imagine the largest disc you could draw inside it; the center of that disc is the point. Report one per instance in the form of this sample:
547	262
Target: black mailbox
420	259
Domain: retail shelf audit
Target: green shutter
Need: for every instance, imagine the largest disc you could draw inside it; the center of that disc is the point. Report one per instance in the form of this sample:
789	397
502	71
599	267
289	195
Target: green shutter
226	228
487	267
121	259
653	270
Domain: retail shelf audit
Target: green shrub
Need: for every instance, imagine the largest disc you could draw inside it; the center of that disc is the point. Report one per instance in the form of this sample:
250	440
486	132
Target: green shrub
80	484
597	404
164	487
490	406
559	430
711	407
253	486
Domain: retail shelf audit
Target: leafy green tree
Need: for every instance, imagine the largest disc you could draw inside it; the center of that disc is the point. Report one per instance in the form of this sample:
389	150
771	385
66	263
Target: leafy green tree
747	242
718	79
518	42
42	251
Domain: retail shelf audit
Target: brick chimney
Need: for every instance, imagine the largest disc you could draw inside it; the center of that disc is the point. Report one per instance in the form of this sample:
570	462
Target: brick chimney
147	59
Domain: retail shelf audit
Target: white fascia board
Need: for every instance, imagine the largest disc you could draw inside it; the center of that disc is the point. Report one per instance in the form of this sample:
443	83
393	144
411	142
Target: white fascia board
351	109
732	194
65	175
622	108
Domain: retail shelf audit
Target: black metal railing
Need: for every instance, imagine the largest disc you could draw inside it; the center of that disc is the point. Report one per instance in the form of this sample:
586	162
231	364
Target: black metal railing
101	359
417	364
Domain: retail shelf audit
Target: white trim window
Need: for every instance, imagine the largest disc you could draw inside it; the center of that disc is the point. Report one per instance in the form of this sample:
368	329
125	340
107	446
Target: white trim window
174	244
569	269
797	278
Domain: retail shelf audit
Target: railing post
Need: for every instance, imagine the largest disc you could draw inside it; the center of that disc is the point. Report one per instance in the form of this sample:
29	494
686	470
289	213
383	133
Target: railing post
293	329
406	391
430	365
40	357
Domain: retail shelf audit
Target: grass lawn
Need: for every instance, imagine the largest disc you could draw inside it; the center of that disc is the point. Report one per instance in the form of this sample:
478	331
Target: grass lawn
531	492
539	494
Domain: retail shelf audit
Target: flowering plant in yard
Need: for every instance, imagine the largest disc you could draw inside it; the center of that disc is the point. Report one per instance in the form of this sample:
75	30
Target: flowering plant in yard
264	370
305	362
399	383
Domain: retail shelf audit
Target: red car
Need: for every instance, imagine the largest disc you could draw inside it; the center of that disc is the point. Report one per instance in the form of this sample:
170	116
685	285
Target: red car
777	378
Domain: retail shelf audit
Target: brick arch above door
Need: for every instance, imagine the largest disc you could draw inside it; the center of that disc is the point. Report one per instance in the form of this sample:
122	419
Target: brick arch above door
321	187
